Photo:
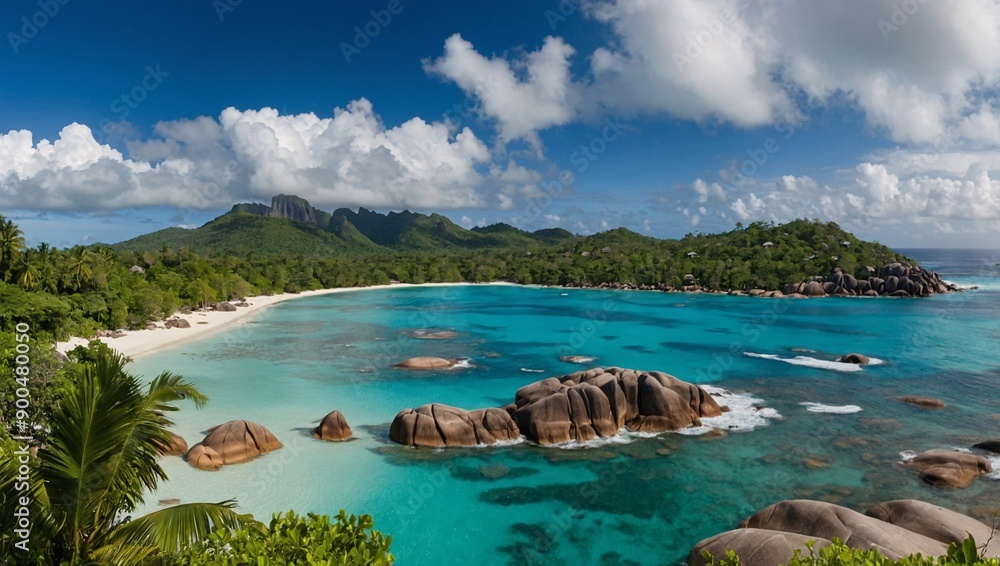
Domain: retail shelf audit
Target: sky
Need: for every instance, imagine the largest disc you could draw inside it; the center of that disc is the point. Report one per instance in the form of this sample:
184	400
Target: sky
666	117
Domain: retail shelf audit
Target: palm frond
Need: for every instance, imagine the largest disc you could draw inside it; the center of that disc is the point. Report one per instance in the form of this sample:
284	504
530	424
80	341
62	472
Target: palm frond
176	527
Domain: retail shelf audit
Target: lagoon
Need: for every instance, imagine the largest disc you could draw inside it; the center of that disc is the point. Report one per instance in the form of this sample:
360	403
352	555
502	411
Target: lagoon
627	501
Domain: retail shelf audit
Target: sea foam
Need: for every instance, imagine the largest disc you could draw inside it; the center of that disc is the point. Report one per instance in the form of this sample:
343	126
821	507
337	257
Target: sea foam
811	362
745	413
831	409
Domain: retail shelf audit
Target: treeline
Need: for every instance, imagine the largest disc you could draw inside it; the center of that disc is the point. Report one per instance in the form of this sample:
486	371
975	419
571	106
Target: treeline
79	290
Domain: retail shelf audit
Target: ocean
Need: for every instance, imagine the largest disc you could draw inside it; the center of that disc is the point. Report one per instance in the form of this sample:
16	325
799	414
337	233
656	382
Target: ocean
802	425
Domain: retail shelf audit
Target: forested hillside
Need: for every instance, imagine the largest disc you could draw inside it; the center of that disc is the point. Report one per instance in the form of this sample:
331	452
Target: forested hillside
79	290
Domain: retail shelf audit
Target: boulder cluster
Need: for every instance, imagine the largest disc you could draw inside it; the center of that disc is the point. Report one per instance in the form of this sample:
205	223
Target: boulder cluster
232	443
893	280
578	407
895	528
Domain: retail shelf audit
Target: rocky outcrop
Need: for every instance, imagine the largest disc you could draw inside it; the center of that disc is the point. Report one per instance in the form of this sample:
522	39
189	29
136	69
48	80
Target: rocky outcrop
578	407
333	427
893	279
855	359
295	208
949	468
176	447
923	402
597	403
438	425
756	547
224	307
935	522
232	443
895	529
426	362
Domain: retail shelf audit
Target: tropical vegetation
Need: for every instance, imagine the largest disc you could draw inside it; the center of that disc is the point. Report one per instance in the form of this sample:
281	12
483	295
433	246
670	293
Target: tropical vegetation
839	554
80	290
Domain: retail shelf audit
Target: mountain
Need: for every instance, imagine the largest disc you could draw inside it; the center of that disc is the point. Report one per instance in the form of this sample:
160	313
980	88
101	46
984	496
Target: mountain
293	226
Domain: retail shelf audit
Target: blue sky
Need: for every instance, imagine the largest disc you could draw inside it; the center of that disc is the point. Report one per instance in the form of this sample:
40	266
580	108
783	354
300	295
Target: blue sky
117	118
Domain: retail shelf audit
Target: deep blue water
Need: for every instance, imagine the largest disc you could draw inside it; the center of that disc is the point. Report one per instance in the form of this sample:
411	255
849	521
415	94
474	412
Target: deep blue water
636	500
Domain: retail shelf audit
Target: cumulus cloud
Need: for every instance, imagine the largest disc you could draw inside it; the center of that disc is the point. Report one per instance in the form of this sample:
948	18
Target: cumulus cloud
920	72
350	159
524	95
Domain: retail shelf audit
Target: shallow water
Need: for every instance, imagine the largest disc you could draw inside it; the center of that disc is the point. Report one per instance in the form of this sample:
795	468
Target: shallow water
635	500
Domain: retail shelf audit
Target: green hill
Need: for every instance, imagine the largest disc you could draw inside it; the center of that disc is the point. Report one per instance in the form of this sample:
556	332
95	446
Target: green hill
292	226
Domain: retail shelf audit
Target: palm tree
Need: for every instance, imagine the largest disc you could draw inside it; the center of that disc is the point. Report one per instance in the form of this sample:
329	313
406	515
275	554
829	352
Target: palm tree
79	266
102	456
27	269
11	243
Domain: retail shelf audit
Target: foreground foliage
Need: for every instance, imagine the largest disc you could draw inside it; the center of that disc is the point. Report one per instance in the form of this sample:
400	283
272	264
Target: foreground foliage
99	460
292	539
839	554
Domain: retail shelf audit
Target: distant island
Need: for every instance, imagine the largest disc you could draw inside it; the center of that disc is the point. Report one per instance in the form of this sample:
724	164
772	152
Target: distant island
291	246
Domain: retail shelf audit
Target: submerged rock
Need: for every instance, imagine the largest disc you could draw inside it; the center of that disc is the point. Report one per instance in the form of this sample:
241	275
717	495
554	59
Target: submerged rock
233	442
333	427
441	335
426	362
989	446
923	402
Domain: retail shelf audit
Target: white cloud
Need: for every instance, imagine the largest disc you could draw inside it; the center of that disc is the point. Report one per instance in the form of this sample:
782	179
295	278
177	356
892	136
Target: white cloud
930	77
525	95
351	159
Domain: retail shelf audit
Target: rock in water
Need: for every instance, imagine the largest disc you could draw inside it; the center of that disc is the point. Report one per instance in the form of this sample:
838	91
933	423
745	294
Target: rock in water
333	427
855	359
176	447
989	446
232	443
923	402
948	468
438	425
577	407
426	362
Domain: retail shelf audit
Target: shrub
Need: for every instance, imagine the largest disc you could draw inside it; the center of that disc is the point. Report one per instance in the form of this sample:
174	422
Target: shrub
290	539
839	554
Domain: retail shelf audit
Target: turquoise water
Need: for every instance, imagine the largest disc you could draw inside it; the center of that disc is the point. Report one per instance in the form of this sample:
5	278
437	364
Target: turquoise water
646	501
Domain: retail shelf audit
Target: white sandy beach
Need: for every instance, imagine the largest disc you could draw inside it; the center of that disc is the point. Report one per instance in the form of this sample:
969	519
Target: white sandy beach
137	343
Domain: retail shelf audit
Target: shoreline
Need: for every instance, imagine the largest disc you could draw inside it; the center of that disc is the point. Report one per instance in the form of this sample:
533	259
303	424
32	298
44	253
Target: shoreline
136	343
